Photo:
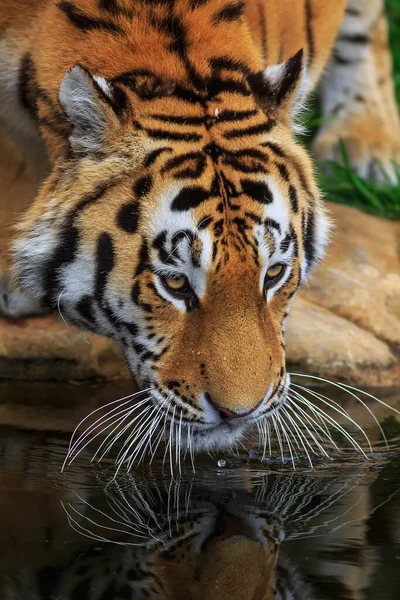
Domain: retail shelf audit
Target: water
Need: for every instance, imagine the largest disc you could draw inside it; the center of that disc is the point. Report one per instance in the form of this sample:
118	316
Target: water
235	528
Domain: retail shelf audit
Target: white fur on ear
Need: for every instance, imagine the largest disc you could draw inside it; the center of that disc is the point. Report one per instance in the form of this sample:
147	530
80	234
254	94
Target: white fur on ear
82	101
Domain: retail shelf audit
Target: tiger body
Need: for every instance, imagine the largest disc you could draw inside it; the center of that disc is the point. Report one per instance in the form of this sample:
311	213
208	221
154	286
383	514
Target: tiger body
179	215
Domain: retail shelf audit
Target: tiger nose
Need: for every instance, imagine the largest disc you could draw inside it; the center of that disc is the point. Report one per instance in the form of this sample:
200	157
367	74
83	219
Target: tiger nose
227	413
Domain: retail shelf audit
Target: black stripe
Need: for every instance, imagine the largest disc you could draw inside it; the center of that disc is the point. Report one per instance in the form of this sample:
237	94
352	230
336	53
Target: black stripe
284	173
246	167
275	148
128	217
257	190
186	95
189	197
85	308
27	85
152	156
105	261
178	161
205	222
159	243
85	23
143	186
217	86
161	134
112	7
247	161
143	263
271	223
229	64
230	12
355	38
235	115
308	241
353	12
196	3
195	165
341	60
285	243
179	120
109	5
310	36
294	203
254	130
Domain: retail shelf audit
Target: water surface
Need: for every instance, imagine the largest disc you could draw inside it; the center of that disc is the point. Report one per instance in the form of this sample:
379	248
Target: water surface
249	530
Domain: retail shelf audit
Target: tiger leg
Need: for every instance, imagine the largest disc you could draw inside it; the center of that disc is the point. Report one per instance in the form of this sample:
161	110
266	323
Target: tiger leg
358	100
18	183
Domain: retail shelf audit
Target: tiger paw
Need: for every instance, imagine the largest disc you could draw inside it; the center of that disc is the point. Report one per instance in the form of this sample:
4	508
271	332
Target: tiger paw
373	152
16	304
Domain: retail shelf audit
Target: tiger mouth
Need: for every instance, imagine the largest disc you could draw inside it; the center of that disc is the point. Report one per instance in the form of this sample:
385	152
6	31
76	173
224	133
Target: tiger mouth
274	403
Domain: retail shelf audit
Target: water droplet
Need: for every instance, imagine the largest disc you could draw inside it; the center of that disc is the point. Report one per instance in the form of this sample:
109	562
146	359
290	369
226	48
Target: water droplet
216	112
225	431
221	463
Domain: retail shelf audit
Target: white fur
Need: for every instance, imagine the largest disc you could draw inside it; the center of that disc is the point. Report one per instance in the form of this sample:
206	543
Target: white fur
84	110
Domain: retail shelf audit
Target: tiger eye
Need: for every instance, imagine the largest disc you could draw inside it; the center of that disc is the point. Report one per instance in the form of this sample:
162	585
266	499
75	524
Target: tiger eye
274	271
176	283
273	275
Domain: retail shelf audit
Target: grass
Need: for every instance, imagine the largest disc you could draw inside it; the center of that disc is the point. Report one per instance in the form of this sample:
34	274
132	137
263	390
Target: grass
338	182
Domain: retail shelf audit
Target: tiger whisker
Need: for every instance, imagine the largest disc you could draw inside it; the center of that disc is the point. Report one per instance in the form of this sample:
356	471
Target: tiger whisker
156	418
180	440
172	432
345	386
300	434
114	420
190	448
278	436
121	402
348	389
113	440
336	407
100	538
334	423
298	409
132	439
155	421
101	408
139	421
282	424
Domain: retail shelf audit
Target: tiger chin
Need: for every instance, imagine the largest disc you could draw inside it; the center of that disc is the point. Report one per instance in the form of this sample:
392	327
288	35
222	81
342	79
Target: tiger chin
180	214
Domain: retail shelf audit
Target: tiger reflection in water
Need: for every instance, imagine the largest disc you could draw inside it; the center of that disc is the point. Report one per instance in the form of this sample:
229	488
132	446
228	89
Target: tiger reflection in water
220	545
147	538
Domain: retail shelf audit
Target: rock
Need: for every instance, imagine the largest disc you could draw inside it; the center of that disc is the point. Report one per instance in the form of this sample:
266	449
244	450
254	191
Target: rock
345	324
46	348
324	344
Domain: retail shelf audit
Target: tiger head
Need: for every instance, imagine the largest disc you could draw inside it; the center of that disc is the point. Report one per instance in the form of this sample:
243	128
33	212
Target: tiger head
180	221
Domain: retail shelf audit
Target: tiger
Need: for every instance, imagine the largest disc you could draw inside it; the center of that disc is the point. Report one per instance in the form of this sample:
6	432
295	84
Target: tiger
173	209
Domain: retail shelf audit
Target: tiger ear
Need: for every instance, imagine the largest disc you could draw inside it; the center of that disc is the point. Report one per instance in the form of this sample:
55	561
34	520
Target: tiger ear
281	86
89	103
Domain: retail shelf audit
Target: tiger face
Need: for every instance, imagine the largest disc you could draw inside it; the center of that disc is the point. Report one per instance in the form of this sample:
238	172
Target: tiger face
180	223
